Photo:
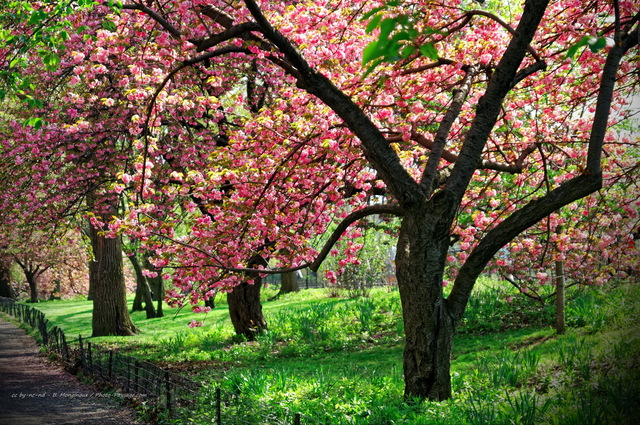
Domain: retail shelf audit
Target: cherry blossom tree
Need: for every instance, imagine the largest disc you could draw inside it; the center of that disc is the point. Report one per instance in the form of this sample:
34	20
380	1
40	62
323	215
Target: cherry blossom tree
470	100
61	147
267	123
54	263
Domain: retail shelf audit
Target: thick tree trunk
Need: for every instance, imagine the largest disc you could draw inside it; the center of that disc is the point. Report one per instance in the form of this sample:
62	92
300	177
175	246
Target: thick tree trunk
245	309
5	281
289	283
110	311
429	328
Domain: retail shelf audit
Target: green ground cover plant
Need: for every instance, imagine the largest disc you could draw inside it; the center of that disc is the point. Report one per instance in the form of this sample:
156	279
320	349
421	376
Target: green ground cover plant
338	360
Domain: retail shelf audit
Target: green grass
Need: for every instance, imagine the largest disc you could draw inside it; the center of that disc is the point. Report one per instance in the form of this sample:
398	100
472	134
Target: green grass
339	361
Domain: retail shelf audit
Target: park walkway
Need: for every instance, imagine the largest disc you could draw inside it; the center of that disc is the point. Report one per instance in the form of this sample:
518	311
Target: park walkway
36	391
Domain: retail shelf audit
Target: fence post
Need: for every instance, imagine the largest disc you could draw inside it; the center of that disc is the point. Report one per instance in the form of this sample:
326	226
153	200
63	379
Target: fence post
89	359
110	363
81	351
218	407
42	327
296	419
128	374
135	376
167	385
65	347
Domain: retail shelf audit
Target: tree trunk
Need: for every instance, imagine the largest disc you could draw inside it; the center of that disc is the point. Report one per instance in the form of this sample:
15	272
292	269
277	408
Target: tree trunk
429	328
137	299
159	312
560	298
245	309
33	286
5	281
143	293
156	285
55	295
211	302
110	312
289	283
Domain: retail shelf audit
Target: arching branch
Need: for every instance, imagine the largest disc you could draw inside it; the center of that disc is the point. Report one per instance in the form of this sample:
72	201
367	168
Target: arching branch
155	16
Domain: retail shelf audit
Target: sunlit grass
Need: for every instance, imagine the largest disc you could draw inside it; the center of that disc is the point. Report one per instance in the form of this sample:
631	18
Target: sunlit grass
339	361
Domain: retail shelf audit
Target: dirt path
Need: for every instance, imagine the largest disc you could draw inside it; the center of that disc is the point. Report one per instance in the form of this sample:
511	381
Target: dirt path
35	391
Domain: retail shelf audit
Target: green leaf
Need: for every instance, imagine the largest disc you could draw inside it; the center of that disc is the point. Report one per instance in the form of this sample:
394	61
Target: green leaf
598	44
373	24
408	51
428	50
109	25
594	44
372	12
387	26
15	62
370	52
34	122
373	66
50	60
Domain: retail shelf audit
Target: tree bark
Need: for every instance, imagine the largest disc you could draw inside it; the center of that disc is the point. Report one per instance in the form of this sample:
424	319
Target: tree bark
143	293
245	309
110	310
289	283
33	286
155	285
428	326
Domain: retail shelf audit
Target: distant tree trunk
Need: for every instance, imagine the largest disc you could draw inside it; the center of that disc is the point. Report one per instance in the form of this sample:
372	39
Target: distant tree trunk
110	310
245	308
143	293
211	302
31	273
156	285
159	312
5	281
33	286
55	295
289	283
560	298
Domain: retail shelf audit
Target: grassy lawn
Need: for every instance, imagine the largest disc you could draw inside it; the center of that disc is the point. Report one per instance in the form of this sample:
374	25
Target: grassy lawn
339	361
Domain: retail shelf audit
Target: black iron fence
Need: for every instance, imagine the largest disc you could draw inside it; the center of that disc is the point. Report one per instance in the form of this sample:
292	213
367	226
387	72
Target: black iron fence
137	380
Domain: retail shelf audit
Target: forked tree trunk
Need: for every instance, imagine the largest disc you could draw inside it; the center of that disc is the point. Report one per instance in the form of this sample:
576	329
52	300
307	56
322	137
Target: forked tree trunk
110	310
33	286
143	293
428	326
245	309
